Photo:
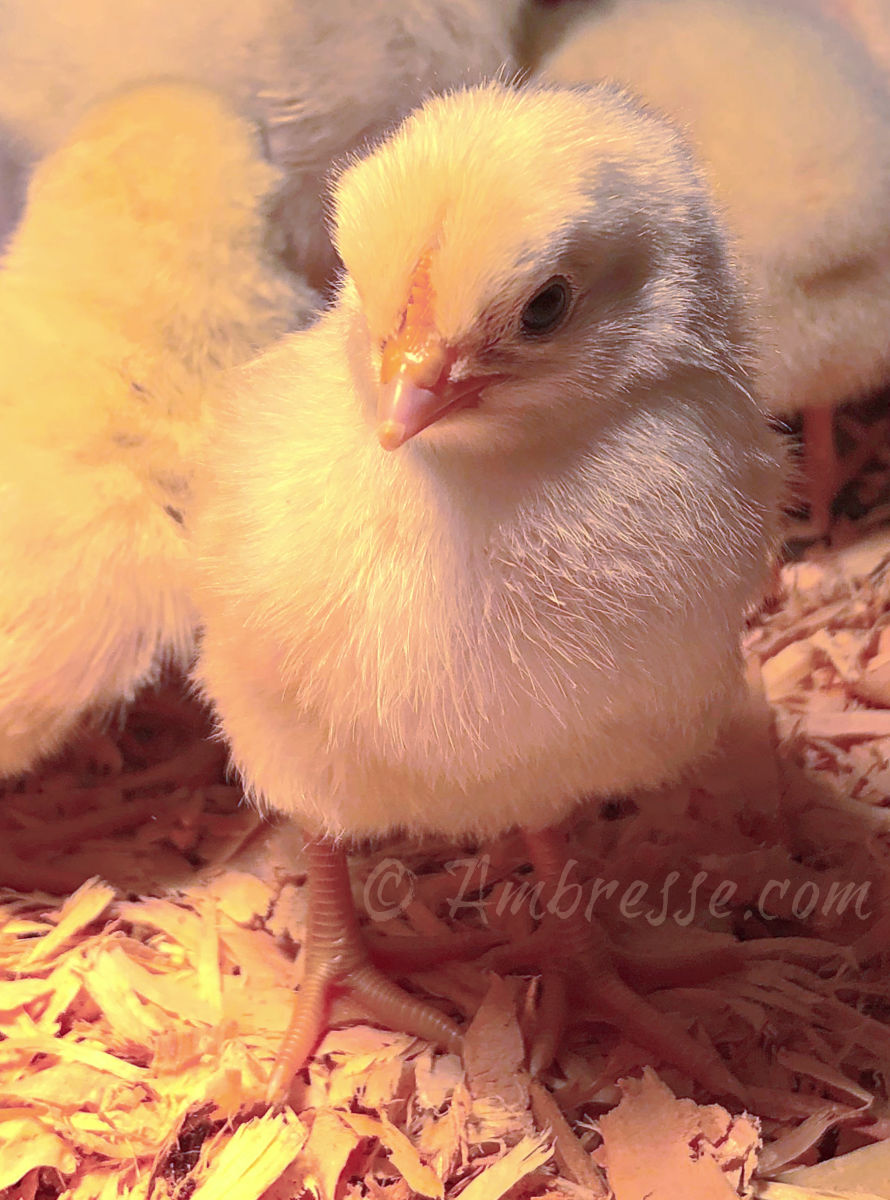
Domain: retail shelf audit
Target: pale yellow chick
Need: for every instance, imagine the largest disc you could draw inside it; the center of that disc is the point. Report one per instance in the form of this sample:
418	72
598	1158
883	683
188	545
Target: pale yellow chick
139	272
538	592
791	120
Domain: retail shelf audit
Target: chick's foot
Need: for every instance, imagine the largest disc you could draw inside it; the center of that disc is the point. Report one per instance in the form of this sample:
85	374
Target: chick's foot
336	960
570	949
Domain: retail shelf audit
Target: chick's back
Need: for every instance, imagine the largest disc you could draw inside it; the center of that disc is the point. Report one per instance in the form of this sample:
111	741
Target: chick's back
140	271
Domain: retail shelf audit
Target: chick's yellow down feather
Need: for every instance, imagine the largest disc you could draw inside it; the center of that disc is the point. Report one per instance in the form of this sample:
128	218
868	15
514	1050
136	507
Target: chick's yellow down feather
791	121
539	594
321	76
138	274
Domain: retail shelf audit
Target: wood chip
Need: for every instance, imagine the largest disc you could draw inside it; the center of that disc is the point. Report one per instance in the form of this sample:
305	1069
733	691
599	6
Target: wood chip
656	1147
252	1158
27	1143
496	1180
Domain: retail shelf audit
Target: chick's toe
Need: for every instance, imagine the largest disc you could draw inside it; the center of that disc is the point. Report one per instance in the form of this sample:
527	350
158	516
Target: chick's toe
336	959
579	974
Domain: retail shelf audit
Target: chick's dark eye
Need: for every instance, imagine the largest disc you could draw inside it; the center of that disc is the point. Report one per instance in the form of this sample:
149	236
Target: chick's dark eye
546	309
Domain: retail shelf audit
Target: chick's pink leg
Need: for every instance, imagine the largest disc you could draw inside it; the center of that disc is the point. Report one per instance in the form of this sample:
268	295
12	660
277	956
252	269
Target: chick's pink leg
572	952
336	959
820	466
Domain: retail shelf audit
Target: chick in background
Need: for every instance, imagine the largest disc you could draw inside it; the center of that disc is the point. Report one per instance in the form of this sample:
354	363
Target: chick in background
790	118
482	540
139	272
321	77
869	20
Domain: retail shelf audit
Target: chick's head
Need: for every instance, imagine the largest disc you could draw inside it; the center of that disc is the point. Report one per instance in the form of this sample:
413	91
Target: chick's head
522	259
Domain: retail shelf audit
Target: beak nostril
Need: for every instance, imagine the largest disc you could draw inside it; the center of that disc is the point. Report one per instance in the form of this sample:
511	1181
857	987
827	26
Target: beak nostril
418	354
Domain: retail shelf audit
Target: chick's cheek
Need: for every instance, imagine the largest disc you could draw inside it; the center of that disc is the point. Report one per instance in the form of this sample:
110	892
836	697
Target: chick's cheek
816	129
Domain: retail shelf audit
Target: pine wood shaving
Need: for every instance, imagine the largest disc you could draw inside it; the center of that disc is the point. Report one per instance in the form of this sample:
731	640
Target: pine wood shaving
655	1146
568	1152
238	895
793	1191
330	1144
864	1170
421	1178
798	1141
843	725
784	673
25	1143
493	1051
85	906
496	1180
252	1158
435	1078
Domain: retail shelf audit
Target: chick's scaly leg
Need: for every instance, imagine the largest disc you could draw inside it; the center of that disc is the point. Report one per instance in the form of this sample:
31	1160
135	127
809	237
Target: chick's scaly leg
336	958
574	955
820	466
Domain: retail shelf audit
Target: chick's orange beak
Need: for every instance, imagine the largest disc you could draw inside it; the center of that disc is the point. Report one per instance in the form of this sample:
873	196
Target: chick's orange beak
416	387
413	387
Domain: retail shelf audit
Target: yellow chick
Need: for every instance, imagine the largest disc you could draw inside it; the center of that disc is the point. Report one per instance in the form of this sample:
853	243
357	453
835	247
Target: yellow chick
322	77
481	541
139	272
791	121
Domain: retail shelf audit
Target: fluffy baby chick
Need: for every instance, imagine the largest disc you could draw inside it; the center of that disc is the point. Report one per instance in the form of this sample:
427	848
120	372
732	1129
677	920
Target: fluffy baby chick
138	273
480	542
791	120
321	76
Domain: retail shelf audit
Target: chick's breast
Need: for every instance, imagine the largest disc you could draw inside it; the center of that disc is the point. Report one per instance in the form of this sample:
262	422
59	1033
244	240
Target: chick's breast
473	630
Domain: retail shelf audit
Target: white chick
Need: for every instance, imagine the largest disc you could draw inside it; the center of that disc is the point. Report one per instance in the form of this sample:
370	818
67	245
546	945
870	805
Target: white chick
322	76
139	272
791	121
538	594
869	20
